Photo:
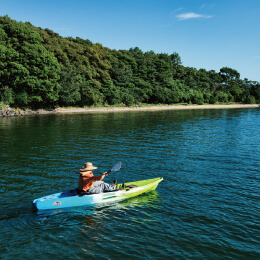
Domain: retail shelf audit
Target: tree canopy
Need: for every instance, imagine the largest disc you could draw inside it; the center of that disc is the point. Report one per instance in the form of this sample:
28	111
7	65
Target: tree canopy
40	68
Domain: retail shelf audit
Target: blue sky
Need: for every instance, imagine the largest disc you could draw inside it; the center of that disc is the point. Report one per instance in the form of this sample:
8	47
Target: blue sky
208	34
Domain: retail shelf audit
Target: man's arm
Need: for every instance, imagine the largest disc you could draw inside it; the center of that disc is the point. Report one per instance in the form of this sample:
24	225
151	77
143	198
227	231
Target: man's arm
99	178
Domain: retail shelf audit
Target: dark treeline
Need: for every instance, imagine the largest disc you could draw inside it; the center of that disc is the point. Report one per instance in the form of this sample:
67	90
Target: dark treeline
39	68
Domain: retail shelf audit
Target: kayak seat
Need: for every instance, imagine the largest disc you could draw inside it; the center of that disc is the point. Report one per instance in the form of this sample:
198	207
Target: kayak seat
84	193
73	192
80	194
127	188
68	194
131	186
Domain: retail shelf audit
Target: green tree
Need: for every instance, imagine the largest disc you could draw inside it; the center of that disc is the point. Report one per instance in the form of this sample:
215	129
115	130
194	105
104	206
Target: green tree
70	83
175	59
90	93
6	94
27	67
229	74
212	100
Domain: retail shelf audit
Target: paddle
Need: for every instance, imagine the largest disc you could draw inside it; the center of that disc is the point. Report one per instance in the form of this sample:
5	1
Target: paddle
115	168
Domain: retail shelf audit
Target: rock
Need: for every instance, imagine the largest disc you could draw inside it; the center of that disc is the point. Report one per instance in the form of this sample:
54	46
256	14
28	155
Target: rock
20	112
12	113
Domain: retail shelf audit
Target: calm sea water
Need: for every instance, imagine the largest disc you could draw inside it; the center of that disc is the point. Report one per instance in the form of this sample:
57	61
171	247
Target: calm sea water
207	207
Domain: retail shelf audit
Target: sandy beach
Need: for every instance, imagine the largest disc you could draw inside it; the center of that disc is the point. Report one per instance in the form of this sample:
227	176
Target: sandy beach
9	112
151	108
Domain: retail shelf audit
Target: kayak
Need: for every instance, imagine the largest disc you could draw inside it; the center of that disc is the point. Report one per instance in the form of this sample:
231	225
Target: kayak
65	199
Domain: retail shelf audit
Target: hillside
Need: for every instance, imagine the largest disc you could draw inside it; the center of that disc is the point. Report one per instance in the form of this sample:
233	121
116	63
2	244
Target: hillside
41	69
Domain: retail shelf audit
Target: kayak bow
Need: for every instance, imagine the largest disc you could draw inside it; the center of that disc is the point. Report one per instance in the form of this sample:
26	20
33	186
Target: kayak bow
65	200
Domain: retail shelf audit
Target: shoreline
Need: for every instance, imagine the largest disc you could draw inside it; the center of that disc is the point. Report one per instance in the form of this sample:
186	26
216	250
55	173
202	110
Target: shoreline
153	108
11	112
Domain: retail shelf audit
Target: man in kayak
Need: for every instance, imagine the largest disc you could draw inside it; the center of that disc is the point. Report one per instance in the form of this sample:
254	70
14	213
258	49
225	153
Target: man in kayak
93	184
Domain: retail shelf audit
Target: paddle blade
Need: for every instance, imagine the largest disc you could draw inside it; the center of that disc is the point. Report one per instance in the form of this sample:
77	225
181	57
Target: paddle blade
116	167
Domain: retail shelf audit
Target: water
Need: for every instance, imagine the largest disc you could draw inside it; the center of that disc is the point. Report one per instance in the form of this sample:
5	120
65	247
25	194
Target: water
207	207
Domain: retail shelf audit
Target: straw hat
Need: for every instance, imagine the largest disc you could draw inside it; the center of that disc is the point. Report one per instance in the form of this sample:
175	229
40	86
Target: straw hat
88	167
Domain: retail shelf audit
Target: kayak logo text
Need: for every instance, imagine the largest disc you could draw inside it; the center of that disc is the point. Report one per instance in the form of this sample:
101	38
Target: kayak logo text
57	203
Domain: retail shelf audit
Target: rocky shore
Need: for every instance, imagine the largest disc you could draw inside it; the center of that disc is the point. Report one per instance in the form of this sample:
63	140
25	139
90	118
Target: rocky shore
9	112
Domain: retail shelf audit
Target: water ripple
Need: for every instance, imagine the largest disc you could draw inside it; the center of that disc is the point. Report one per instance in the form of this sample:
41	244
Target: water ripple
207	207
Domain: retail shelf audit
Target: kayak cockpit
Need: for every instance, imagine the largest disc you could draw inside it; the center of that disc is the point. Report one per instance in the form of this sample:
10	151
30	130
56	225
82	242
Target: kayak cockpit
71	193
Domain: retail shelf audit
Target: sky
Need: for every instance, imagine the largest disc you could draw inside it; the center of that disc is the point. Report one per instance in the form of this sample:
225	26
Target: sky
208	34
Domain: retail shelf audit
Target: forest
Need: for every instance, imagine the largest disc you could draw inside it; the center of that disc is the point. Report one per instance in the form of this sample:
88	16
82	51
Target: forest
41	69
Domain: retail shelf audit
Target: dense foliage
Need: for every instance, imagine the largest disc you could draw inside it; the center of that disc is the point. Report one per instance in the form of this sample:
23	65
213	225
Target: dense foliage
39	68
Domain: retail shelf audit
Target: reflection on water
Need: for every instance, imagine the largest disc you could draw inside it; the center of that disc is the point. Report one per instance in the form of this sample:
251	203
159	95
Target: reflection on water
145	200
105	216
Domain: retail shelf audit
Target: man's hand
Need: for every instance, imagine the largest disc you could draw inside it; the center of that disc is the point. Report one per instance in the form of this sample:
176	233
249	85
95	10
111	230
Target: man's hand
105	173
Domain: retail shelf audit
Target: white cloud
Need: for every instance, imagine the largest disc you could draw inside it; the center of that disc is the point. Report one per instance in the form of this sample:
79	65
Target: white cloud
187	16
177	10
